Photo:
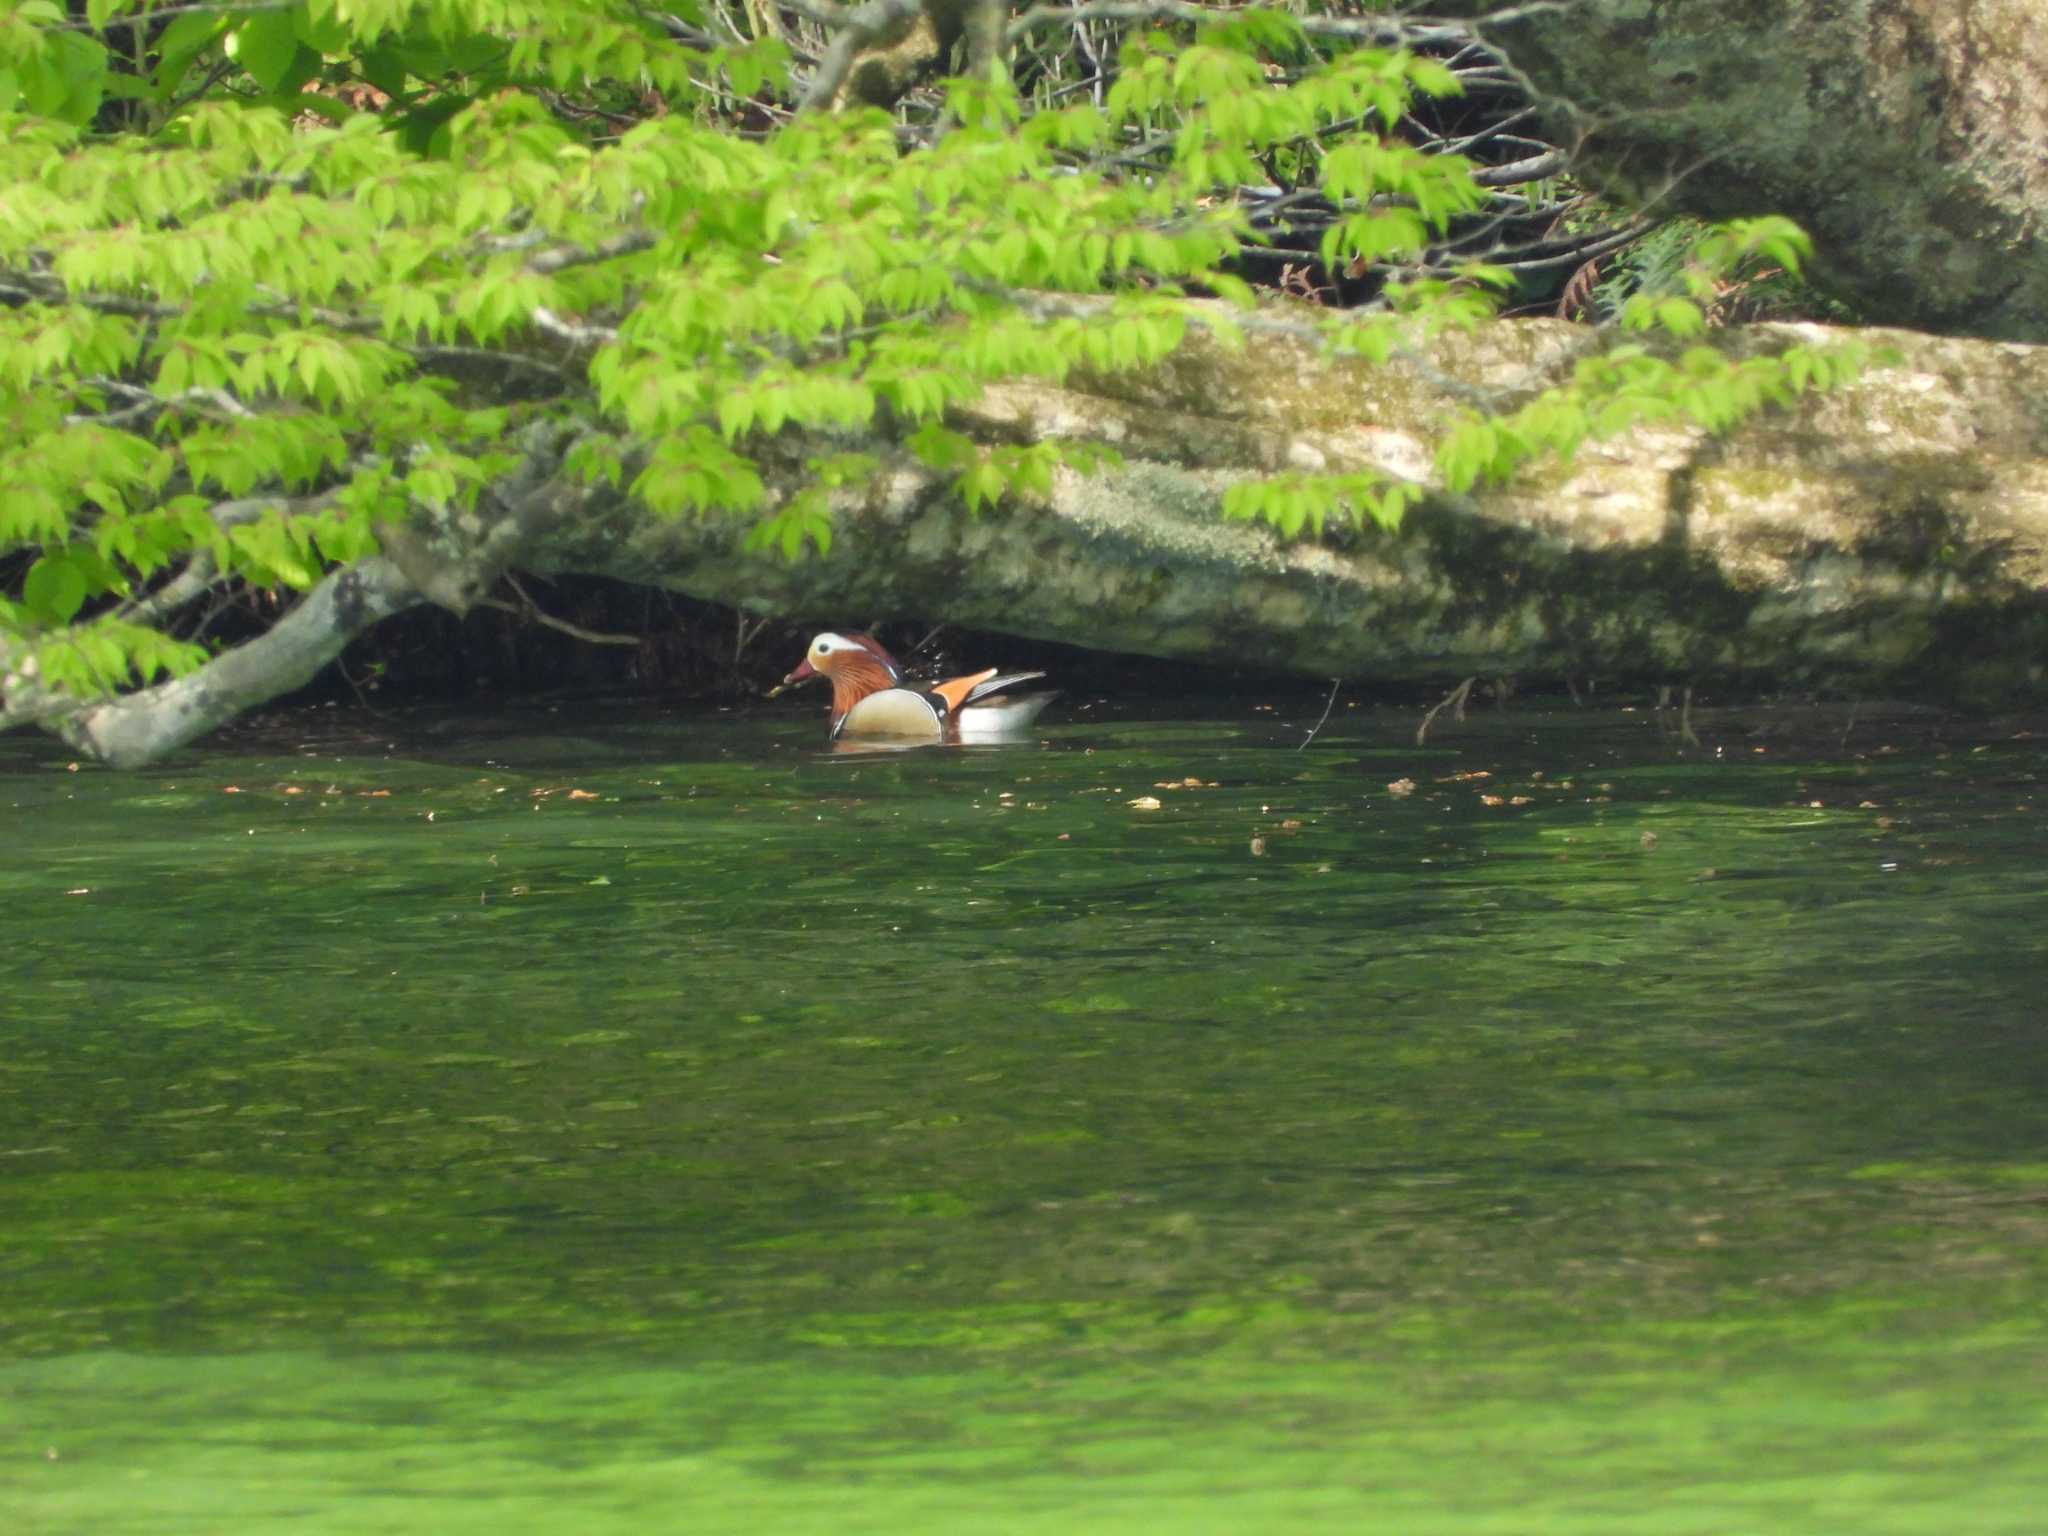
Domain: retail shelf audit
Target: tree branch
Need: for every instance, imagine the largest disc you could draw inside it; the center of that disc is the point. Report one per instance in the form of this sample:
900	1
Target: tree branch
200	574
861	27
526	608
576	333
140	727
562	257
1393	32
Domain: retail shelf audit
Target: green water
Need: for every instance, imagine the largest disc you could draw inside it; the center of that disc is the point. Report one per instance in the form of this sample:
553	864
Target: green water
613	1123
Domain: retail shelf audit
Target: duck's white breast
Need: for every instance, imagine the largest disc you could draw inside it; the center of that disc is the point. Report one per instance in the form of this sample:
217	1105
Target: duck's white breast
892	712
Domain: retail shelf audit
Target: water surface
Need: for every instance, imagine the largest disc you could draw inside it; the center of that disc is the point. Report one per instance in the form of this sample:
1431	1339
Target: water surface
651	1123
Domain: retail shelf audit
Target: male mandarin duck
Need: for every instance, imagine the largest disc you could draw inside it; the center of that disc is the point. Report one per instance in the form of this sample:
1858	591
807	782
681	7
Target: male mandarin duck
870	696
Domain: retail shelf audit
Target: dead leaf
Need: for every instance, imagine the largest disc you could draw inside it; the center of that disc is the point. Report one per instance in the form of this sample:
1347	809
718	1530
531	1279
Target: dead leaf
1401	787
1144	803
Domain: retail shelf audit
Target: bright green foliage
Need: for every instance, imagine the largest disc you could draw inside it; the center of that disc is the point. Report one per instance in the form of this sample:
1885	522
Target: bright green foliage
270	277
1748	269
1608	393
1295	502
1632	384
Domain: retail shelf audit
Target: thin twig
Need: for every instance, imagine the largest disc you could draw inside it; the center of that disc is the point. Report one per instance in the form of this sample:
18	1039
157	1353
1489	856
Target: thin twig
1328	705
927	640
1454	699
1386	33
744	637
362	698
254	7
527	608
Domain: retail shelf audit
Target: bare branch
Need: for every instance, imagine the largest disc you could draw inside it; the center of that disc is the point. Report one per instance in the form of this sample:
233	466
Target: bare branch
147	404
571	331
150	18
562	257
831	17
527	608
862	26
1391	32
1454	701
1516	172
681	30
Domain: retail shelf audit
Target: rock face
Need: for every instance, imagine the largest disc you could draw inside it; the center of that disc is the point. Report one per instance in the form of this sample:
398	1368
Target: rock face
1910	137
1892	535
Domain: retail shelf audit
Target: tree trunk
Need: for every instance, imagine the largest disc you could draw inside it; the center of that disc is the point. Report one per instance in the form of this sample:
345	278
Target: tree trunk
1910	137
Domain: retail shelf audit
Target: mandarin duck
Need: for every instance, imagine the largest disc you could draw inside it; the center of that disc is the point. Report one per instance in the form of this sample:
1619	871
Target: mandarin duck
871	698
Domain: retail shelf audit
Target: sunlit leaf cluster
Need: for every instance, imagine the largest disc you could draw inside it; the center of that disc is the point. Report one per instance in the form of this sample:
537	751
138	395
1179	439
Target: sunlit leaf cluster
271	277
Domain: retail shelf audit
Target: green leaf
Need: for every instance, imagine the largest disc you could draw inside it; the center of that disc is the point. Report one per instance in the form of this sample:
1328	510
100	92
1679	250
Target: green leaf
384	67
1681	317
323	34
982	483
55	587
182	41
65	80
267	45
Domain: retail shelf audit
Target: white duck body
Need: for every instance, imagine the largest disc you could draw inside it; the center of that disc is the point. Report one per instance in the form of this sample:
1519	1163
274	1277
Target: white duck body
872	700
